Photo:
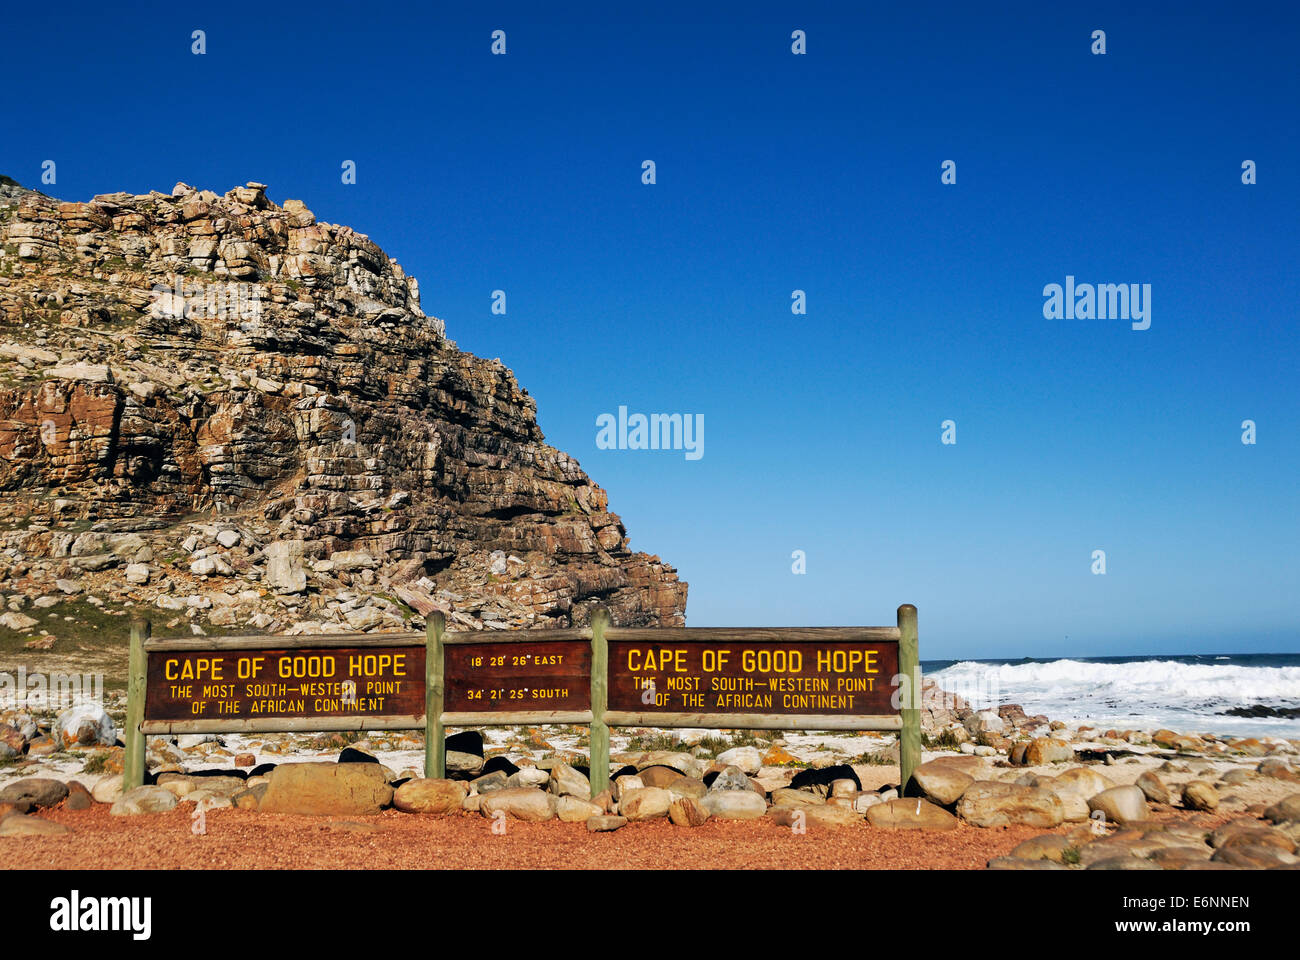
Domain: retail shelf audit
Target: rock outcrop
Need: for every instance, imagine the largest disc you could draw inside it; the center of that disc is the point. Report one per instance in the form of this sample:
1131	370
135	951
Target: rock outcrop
183	354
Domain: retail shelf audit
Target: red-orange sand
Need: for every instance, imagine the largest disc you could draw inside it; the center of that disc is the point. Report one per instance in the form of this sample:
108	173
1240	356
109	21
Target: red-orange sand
245	839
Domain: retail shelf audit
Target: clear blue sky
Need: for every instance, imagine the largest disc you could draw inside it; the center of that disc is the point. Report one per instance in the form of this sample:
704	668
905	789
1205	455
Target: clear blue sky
820	172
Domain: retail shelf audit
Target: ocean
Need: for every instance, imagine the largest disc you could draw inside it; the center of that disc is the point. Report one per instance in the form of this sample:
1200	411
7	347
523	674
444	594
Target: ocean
1188	694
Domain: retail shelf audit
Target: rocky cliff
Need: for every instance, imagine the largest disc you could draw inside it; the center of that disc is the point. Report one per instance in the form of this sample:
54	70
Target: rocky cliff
224	408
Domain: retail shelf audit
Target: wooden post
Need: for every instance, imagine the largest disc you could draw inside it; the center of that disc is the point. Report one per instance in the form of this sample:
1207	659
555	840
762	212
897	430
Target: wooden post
599	770
133	762
435	744
909	665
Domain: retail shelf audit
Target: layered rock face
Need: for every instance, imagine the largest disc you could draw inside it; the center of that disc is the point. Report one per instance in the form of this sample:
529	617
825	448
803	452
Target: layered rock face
182	366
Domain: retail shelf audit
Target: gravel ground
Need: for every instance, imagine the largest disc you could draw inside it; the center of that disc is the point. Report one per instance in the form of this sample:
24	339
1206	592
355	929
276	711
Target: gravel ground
245	839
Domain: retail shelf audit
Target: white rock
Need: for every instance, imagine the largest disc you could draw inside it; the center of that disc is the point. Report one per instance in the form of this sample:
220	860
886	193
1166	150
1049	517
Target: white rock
985	721
284	570
149	799
85	723
107	789
17	621
748	759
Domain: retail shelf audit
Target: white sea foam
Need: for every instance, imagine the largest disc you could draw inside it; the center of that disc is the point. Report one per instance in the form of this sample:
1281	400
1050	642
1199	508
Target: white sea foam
1142	694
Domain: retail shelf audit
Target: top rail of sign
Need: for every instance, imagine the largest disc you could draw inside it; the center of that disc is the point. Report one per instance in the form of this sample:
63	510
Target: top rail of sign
406	638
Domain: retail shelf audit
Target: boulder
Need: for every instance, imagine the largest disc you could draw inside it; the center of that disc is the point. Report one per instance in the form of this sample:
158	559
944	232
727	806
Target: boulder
748	759
496	780
988	803
941	783
568	782
907	813
644	803
322	789
823	817
571	809
1050	846
528	777
681	762
1124	863
687	811
1248	856
788	797
865	801
466	763
182	786
605	823
1153	788
1288	808
1074	804
1047	750
626	784
251	798
734	804
1020	863
688	787
107	789
21	825
522	803
731	778
1086	781
1251	832
35	792
985	721
1120	804
284	566
430	796
79	797
84	724
1199	795
146	799
660	776
1277	769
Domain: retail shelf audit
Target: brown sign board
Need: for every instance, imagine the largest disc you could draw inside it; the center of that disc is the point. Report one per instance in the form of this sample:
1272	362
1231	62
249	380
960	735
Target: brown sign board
517	677
831	678
261	686
755	677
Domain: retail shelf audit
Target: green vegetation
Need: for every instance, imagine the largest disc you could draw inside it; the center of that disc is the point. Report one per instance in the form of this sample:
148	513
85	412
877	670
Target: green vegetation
651	742
96	763
878	759
407	612
1070	856
947	740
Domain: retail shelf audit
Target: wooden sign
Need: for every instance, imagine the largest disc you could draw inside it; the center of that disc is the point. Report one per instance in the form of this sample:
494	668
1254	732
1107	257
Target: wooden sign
799	678
518	677
295	684
771	678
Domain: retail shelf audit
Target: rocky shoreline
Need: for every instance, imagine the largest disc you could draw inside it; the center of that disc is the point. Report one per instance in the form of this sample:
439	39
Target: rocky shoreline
1103	799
